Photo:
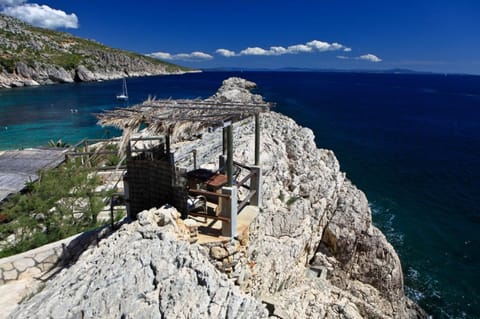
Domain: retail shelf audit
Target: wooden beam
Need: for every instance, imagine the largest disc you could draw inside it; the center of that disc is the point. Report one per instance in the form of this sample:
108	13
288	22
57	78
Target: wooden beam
167	143
223	219
257	139
202	192
246	201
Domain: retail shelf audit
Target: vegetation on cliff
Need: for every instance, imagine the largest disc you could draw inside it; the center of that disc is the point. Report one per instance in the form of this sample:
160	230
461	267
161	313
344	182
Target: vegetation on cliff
43	55
64	201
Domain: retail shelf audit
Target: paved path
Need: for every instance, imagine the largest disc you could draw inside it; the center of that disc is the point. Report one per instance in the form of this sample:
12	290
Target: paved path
21	166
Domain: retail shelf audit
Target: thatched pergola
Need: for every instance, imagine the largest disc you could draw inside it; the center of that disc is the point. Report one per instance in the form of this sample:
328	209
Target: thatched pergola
183	119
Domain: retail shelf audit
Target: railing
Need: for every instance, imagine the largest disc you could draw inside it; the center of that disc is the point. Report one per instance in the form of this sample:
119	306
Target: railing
242	183
207	193
246	200
215	217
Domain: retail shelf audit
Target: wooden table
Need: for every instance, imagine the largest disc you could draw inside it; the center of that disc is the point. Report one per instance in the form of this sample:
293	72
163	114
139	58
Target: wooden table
215	183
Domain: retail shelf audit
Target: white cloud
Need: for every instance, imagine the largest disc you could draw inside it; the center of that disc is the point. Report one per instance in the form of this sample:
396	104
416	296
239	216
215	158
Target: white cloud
39	15
225	52
194	56
11	3
255	51
299	48
161	55
321	46
309	47
369	57
366	57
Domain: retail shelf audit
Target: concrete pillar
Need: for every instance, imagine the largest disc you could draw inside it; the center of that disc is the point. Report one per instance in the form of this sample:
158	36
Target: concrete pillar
256	183
229	209
229	155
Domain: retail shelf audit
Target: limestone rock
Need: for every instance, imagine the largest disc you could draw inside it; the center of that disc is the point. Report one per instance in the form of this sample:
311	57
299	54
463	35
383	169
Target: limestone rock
83	74
29	82
141	271
237	90
58	74
23	70
218	253
29	54
312	218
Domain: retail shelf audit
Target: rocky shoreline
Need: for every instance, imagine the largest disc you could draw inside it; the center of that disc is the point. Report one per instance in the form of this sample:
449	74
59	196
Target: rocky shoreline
50	74
312	252
31	56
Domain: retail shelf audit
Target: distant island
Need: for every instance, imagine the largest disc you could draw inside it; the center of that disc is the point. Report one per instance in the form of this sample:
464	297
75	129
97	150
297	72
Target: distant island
31	56
298	69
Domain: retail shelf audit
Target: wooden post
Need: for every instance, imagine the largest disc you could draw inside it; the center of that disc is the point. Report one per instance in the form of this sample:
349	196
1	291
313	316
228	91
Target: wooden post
111	213
194	159
229	155
129	151
167	143
224	141
126	190
87	161
257	139
256	185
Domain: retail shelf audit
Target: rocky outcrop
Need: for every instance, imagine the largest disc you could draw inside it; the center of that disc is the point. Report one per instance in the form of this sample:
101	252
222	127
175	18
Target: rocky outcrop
314	220
236	90
82	74
34	56
312	252
143	270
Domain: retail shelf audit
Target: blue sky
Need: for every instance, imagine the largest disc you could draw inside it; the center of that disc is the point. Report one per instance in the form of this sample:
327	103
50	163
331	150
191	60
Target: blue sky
424	35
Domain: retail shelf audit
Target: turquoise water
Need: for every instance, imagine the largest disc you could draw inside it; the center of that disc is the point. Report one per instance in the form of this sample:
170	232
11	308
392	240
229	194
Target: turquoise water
411	142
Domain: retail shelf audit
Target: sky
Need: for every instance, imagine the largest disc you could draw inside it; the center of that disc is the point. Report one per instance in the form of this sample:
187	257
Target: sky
424	35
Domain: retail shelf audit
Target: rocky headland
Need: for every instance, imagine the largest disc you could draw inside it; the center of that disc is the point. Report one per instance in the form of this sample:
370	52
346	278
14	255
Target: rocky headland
312	252
32	56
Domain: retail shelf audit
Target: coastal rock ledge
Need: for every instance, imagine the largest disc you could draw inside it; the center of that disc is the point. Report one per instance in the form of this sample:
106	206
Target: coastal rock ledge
312	252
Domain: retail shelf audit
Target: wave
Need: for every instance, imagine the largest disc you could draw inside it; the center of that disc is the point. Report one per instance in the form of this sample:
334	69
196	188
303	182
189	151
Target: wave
420	286
384	218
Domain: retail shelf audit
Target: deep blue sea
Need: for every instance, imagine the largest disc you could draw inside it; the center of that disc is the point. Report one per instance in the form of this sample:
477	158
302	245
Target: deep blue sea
411	142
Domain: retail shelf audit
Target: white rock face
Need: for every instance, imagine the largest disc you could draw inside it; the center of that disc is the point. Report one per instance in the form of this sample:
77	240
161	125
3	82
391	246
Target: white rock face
142	271
313	217
312	253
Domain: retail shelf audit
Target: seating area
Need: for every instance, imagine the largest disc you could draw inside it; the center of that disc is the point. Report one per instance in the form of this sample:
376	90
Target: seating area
154	177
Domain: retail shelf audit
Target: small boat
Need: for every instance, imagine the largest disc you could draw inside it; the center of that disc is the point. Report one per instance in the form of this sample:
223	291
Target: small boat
124	95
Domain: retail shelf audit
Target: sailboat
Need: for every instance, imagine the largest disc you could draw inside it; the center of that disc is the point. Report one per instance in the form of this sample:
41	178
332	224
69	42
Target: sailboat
124	95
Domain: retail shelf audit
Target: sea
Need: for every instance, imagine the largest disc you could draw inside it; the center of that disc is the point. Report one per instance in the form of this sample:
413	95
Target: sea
411	142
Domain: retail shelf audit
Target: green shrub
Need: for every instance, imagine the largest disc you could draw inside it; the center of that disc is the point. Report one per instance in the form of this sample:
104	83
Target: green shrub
61	203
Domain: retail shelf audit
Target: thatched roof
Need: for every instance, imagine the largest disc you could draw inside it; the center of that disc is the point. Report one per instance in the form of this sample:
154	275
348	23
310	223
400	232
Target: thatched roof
184	118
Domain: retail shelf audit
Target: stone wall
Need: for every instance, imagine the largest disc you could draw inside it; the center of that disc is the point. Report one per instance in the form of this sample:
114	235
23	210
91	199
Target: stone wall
37	262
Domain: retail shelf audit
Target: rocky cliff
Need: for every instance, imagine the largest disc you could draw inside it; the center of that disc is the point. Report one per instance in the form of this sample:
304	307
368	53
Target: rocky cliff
33	56
312	252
